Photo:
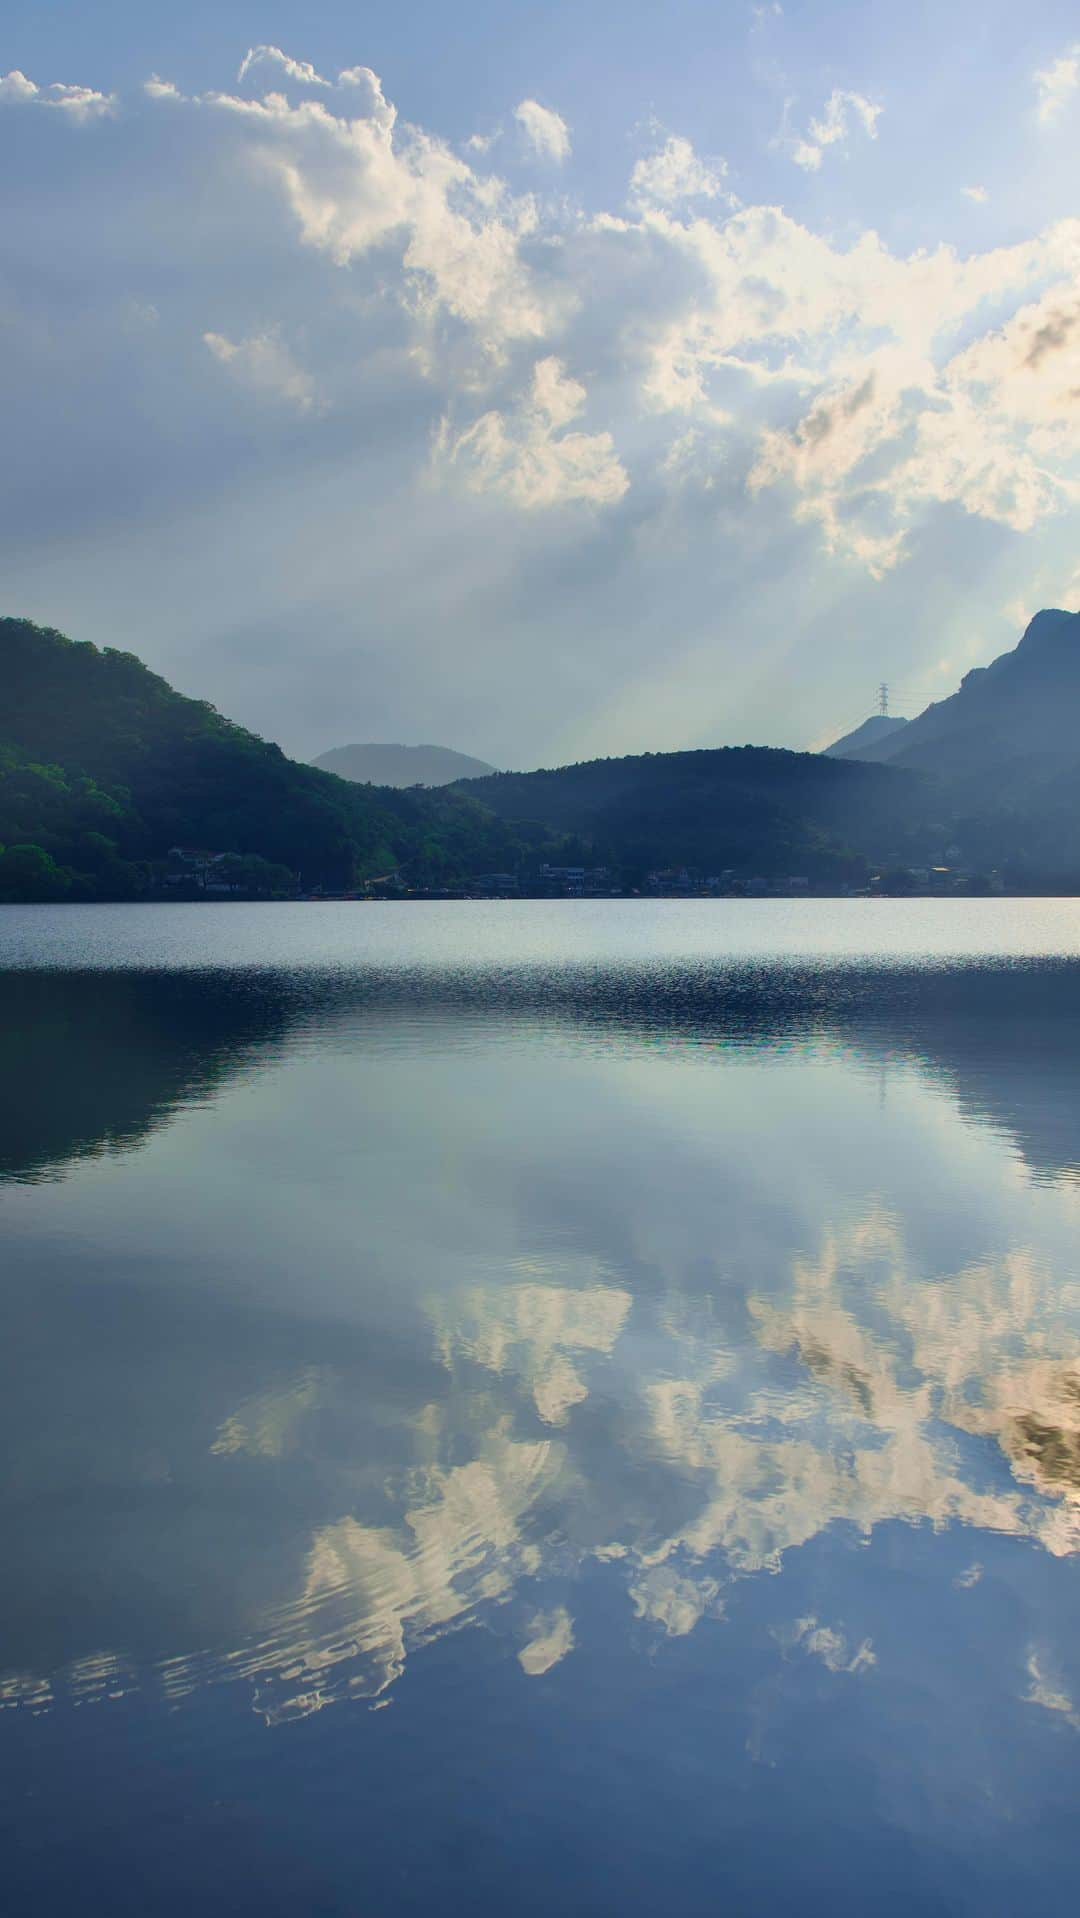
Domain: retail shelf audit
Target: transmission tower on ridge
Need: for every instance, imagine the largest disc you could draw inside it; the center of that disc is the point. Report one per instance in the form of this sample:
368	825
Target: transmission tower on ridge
883	700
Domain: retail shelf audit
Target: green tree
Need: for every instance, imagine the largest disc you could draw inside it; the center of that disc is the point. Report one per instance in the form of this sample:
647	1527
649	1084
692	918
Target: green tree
29	873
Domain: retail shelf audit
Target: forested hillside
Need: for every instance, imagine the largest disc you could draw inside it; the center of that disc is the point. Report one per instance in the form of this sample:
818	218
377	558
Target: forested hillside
752	809
104	768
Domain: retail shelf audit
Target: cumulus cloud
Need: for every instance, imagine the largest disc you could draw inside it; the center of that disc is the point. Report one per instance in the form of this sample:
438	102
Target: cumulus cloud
877	423
825	1642
545	130
158	89
528	456
675	173
354	185
15	88
1056	84
532	1329
753	387
676	1603
991	427
551	1638
82	103
301	70
265	364
78	103
844	111
370	85
898	1373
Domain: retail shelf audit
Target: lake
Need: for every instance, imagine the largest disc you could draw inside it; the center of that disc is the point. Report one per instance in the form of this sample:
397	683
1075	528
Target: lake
560	1406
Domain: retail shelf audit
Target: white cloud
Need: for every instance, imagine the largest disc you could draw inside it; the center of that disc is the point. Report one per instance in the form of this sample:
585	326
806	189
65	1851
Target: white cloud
824	1642
544	129
857	390
1044	1691
15	87
82	103
266	365
976	193
528	457
969	1577
79	103
481	143
355	185
369	84
531	1329
880	425
552	1637
675	173
158	89
1056	85
993	428
677	1603
1029	370
900	1373
301	70
843	111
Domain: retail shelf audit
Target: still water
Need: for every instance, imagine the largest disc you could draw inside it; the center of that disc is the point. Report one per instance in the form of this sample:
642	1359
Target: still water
547	1407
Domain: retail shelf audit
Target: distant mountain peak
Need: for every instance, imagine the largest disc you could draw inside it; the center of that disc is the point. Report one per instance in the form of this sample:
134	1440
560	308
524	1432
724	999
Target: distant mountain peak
1050	625
391	764
1022	706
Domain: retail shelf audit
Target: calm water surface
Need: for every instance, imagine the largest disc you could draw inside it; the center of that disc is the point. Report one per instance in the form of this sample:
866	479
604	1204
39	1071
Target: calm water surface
540	1408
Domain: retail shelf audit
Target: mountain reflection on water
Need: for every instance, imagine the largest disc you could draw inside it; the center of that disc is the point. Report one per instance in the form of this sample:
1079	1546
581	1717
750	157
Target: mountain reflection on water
342	1312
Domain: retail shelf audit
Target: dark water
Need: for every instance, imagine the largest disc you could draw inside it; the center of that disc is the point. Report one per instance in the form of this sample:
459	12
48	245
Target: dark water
545	1408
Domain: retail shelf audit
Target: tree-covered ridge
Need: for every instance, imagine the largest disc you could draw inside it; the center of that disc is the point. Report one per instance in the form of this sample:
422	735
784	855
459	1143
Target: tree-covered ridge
104	767
752	809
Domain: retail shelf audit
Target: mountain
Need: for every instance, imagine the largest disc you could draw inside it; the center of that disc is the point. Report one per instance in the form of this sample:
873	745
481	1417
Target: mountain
872	732
401	765
753	810
1003	753
104	767
1023	705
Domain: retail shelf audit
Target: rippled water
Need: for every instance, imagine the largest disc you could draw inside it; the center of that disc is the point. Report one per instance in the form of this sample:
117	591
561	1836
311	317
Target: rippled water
513	1408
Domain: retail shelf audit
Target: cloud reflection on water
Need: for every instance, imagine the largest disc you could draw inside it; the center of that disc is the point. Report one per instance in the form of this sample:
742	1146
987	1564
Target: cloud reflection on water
602	1376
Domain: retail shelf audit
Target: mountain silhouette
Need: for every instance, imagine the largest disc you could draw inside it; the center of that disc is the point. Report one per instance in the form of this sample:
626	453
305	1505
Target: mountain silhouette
1022	706
1003	754
401	765
873	732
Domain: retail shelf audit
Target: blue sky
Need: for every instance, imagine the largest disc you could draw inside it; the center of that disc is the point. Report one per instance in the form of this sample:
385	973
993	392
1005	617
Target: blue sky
546	380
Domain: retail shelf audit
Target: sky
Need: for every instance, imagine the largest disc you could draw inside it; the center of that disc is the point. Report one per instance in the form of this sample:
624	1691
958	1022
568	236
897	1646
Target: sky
544	380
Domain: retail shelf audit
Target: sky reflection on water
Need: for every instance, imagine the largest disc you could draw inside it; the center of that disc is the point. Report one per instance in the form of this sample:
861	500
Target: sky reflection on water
708	1339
